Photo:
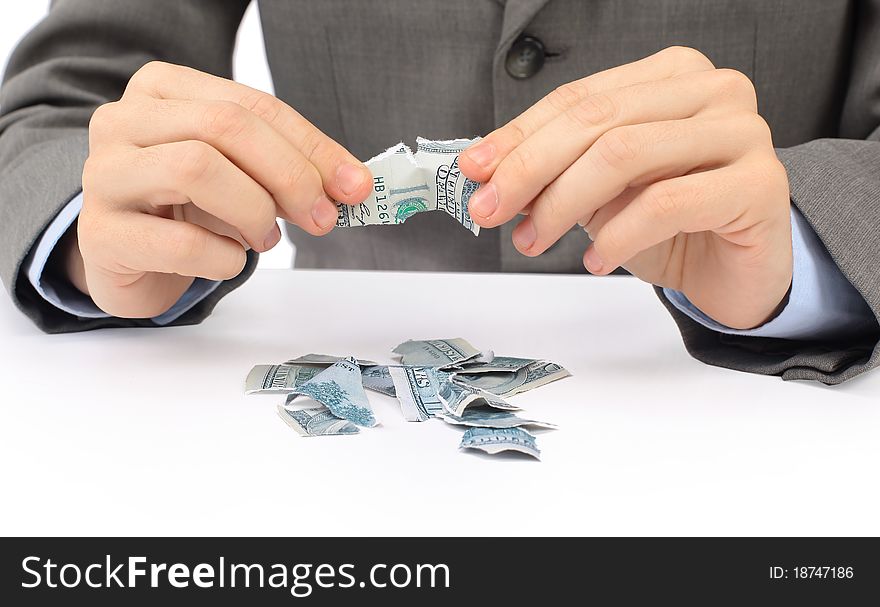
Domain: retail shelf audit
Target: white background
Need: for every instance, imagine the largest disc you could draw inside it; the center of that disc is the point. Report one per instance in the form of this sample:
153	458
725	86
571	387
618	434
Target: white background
148	432
250	68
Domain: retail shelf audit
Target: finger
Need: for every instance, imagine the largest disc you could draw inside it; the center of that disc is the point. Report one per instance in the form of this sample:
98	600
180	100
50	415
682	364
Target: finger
144	295
139	265
344	177
248	141
538	160
176	173
480	160
630	156
722	201
594	221
693	203
146	243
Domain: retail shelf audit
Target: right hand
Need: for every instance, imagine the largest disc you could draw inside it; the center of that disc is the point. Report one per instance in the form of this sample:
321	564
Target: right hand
185	172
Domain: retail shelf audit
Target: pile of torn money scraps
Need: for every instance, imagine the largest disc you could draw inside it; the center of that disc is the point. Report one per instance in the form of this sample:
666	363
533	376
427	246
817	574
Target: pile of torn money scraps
447	379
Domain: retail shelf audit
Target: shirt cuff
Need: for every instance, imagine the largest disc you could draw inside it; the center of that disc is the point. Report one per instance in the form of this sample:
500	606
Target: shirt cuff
67	298
822	303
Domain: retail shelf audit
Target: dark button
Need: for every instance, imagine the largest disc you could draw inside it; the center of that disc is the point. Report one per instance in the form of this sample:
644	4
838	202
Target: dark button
525	57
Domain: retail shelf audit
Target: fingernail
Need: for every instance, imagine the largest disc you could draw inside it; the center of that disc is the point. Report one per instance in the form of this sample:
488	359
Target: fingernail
592	260
482	154
324	212
272	238
349	178
484	202
524	236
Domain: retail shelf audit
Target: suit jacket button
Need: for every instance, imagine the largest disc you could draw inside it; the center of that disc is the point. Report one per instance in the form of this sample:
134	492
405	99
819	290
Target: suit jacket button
525	57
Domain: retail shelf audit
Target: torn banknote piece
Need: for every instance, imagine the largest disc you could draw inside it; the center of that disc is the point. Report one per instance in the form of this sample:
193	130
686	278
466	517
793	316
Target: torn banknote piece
315	420
405	184
496	440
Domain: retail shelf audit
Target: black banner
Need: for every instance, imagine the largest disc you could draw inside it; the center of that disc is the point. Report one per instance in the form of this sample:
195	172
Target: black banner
428	571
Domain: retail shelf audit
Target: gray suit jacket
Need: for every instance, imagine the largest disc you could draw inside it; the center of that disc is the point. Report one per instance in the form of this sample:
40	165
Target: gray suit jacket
373	72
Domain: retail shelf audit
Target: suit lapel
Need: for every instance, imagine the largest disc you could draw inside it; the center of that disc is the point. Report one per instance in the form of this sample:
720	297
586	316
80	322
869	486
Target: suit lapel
517	15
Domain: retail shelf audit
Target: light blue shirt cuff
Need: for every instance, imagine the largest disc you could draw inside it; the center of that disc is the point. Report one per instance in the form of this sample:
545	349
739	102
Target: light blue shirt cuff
822	303
67	298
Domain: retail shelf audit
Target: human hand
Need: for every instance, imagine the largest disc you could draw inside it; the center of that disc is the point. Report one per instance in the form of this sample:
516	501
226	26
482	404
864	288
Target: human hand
669	168
185	172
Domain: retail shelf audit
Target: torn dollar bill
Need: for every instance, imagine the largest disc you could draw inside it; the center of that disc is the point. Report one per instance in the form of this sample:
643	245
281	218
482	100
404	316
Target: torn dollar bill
507	384
456	397
340	388
325	359
497	364
405	184
487	417
435	352
315	420
378	379
417	389
278	379
496	440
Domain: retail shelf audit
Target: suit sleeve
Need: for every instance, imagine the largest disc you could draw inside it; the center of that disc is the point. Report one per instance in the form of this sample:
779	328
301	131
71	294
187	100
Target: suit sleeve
835	183
79	57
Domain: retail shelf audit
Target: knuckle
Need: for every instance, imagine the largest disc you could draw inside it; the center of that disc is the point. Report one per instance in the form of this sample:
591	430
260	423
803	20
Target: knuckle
618	147
262	105
311	144
521	161
187	243
662	200
687	58
147	158
770	176
517	131
85	223
779	173
153	68
734	84
93	171
103	121
593	110
568	95
295	173
195	161
93	231
758	127
224	120
148	73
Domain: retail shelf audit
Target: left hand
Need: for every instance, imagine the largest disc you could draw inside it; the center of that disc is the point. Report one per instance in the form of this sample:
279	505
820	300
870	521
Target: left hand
667	165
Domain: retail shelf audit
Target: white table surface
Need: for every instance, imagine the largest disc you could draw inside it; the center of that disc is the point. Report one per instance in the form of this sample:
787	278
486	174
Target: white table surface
148	432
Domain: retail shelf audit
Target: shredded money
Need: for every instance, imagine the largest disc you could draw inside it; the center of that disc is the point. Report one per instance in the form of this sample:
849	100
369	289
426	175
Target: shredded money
536	373
278	379
405	184
436	352
445	379
487	417
325	359
496	440
315	421
340	388
378	379
418	391
457	396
